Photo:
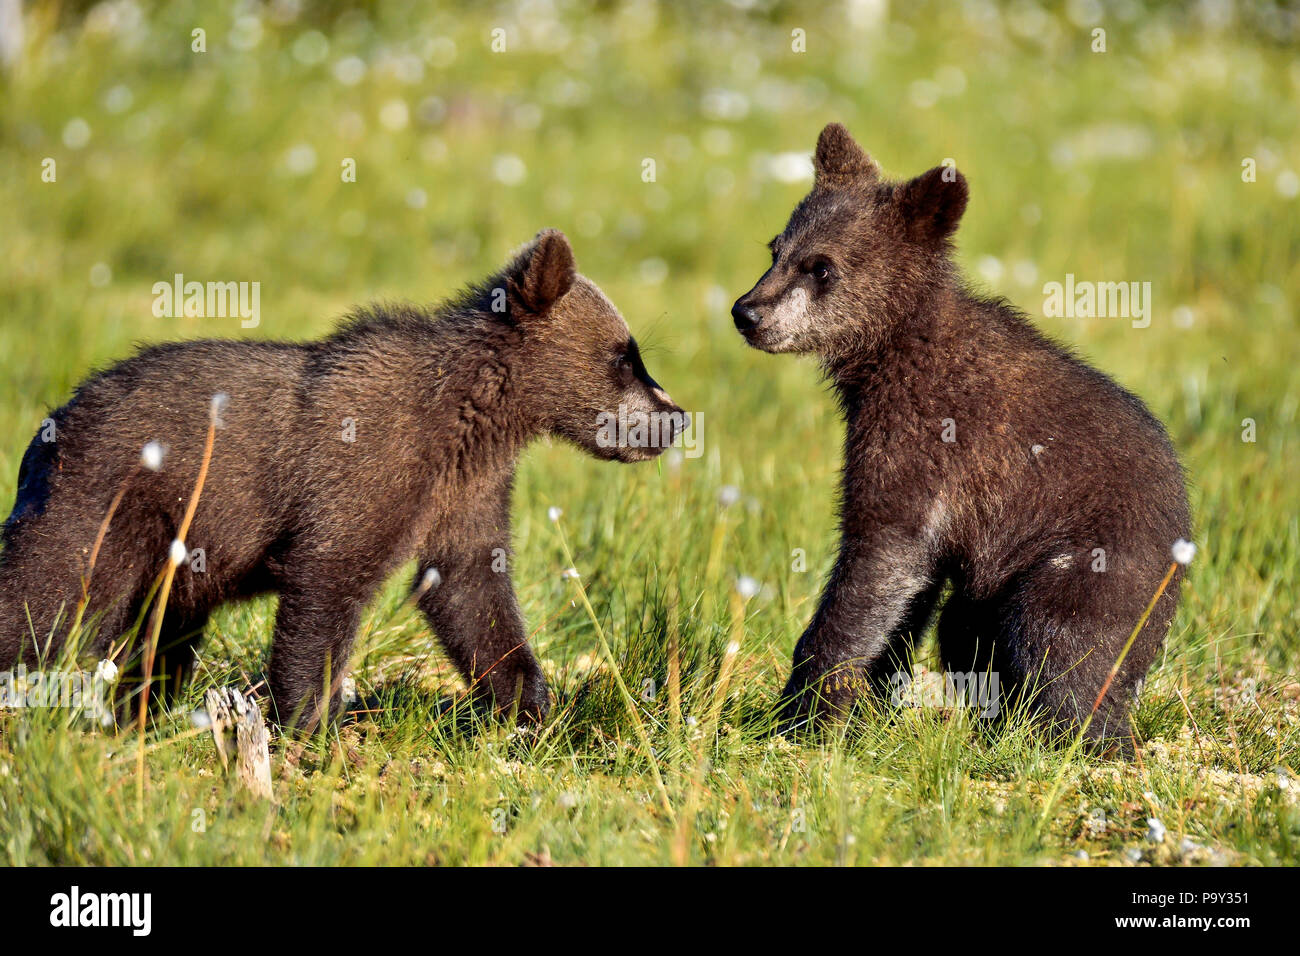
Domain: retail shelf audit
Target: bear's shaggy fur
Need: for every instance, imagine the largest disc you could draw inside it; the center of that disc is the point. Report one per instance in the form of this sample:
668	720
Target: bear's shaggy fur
978	454
337	461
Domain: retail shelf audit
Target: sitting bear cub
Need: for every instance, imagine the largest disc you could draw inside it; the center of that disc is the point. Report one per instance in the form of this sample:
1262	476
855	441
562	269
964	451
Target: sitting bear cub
336	462
978	455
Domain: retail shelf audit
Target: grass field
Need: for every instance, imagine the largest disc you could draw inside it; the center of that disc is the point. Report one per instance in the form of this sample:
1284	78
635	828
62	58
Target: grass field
1124	165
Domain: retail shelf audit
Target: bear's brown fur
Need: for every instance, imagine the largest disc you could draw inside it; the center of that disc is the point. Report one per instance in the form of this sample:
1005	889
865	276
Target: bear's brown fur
978	454
336	462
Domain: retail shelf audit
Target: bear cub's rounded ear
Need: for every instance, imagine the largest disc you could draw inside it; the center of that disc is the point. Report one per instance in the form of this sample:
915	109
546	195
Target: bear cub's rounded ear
543	272
839	159
932	204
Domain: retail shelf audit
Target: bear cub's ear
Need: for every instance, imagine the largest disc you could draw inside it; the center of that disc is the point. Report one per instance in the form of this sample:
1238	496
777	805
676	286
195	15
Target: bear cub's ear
932	204
839	160
544	271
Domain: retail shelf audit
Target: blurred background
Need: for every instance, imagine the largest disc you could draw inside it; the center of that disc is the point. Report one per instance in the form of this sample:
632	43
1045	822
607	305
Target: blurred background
670	142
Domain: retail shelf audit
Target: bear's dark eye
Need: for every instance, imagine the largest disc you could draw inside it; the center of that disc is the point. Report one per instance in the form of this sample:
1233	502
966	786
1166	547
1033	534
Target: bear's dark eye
820	270
625	369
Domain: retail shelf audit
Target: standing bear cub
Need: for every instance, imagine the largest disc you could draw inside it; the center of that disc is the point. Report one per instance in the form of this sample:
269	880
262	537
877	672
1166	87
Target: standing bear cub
978	455
336	462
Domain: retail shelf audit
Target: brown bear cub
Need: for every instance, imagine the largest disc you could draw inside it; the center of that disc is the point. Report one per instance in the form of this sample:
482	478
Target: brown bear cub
978	454
336	462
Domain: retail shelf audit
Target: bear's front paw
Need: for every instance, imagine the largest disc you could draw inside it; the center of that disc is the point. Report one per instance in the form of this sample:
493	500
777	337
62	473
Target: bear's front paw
810	705
534	702
522	693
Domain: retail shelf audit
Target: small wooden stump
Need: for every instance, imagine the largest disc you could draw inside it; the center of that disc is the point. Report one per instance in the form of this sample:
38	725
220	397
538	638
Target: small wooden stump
235	716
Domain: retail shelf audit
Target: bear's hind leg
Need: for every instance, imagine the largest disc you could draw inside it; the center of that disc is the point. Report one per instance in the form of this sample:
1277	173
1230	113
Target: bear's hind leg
1067	626
41	595
173	658
174	662
315	626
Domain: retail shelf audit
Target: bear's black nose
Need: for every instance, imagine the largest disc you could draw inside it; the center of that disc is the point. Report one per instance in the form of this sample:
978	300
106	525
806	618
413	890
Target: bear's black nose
745	317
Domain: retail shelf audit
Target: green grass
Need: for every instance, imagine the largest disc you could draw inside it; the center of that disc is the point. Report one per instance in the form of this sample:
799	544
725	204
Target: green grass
185	171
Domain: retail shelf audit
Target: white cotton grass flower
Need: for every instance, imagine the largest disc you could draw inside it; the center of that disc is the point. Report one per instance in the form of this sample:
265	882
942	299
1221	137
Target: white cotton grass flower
178	552
1183	551
990	269
553	513
747	587
350	70
509	170
795	167
395	115
106	671
1155	830
152	455
300	159
728	495
220	402
1287	184
348	690
430	580
571	573
76	134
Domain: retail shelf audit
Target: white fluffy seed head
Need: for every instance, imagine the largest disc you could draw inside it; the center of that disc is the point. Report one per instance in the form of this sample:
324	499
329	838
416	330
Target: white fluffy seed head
553	513
430	579
220	401
1183	551
728	495
152	455
746	586
178	552
106	671
570	573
